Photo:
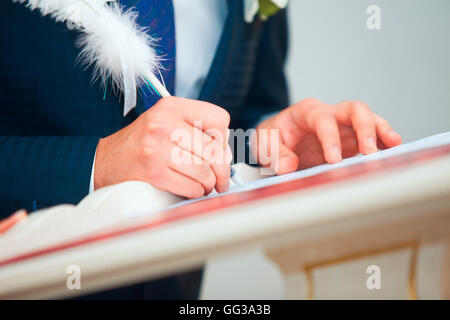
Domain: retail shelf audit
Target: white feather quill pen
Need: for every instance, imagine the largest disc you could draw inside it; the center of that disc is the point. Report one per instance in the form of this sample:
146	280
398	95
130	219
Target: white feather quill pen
111	42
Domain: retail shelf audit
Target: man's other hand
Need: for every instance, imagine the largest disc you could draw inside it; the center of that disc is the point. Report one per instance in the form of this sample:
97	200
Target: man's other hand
312	133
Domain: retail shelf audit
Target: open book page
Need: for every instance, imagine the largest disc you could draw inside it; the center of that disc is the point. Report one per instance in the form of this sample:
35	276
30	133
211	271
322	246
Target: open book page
429	142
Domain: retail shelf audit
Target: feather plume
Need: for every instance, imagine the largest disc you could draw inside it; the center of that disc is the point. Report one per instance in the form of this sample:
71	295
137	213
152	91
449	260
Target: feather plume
111	42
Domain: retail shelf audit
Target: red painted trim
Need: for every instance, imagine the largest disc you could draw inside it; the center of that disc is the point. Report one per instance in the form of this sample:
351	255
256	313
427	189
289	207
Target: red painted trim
208	206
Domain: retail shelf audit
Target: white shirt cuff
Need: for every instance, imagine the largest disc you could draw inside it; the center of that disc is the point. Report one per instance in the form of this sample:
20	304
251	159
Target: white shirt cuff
91	184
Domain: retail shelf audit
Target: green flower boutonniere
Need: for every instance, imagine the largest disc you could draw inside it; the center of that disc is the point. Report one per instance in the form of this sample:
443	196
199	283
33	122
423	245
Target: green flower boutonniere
264	8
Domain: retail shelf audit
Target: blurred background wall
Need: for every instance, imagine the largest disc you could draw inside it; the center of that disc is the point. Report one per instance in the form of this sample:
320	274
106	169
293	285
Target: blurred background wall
402	71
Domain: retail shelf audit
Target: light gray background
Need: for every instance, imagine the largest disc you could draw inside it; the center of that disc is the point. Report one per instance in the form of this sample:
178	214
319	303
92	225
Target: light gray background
402	71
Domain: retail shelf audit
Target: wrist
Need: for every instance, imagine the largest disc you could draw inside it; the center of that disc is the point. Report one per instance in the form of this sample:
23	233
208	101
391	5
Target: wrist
98	165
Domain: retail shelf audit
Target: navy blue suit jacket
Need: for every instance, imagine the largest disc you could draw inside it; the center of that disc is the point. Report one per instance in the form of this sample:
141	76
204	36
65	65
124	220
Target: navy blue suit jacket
52	115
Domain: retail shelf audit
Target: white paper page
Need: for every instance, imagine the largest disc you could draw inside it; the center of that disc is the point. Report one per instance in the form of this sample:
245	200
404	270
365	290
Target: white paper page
429	142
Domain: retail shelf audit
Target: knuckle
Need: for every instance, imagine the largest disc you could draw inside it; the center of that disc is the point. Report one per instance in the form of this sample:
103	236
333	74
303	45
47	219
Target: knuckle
149	148
147	152
312	101
324	122
156	127
357	105
314	114
223	116
381	121
152	126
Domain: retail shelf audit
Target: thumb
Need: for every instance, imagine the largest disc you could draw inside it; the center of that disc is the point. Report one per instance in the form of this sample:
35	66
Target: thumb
288	161
273	153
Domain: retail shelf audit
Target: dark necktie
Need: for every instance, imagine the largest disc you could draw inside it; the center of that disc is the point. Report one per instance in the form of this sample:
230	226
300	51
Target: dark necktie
158	17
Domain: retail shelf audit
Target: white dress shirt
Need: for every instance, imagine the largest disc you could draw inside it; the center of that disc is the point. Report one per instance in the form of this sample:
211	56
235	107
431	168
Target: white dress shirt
198	27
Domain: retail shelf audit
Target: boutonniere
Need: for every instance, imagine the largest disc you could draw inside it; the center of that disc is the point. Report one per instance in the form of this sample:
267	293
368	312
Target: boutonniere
264	8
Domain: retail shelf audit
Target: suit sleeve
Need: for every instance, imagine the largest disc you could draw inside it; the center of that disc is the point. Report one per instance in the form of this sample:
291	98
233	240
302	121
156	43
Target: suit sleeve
269	90
40	171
